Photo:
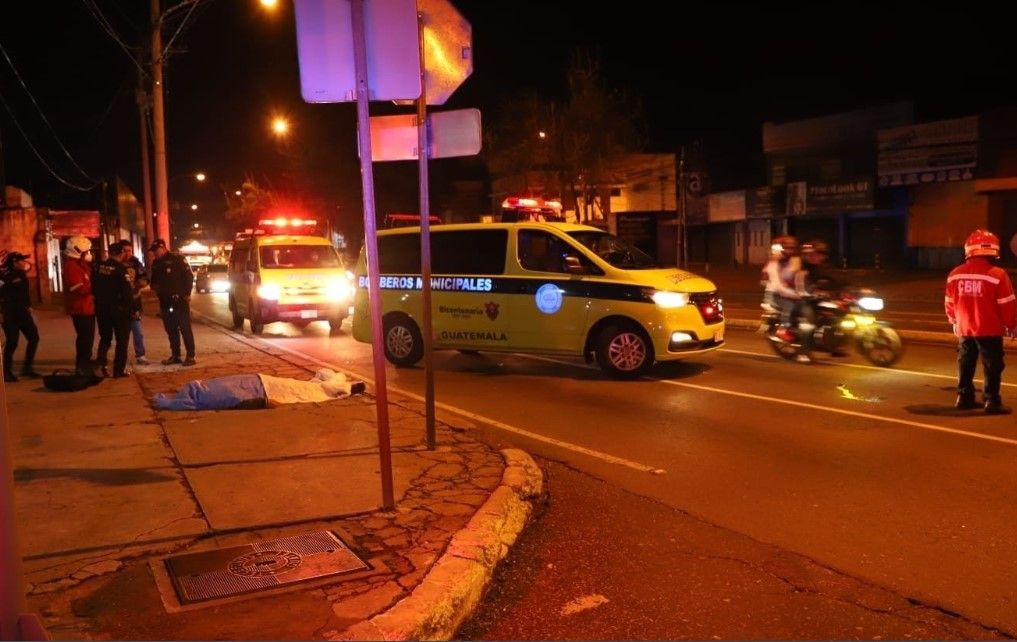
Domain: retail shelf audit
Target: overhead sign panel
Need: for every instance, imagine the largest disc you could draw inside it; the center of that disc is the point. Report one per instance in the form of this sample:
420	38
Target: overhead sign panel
325	50
452	133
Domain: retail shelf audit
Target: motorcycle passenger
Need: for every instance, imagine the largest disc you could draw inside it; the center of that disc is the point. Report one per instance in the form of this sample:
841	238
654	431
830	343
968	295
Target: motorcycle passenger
981	306
814	281
779	283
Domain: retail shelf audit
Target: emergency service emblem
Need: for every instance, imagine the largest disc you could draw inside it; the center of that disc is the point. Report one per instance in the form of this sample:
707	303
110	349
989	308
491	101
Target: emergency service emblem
491	309
549	298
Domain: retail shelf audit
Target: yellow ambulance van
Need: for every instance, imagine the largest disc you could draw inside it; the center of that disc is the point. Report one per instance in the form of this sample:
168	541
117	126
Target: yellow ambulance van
279	272
547	288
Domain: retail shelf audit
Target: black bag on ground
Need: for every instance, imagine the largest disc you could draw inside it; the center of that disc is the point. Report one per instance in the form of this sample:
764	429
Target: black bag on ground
64	380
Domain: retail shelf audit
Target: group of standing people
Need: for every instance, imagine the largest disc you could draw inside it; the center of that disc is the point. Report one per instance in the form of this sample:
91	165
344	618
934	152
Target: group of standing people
104	296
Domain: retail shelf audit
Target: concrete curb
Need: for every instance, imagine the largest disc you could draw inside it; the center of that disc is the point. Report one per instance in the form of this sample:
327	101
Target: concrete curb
911	335
452	589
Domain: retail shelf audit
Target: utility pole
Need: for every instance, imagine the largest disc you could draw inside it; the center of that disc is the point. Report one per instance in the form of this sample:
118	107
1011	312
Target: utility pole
146	171
3	175
159	130
683	212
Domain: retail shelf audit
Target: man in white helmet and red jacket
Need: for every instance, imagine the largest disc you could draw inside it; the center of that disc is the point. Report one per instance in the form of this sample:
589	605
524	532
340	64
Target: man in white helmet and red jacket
79	302
981	305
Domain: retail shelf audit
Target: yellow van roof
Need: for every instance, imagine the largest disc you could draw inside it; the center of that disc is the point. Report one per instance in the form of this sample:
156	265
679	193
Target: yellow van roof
449	227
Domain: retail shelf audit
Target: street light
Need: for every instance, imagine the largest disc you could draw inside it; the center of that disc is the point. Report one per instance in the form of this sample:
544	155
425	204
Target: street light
280	126
194	207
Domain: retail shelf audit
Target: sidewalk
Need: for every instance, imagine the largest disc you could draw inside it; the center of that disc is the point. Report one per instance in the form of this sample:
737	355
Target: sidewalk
106	489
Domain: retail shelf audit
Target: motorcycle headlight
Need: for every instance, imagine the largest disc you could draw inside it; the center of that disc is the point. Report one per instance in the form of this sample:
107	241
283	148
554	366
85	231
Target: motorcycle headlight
269	291
667	299
871	303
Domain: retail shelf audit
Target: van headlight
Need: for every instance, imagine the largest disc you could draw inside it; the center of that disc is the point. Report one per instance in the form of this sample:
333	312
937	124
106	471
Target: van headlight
337	289
666	299
269	291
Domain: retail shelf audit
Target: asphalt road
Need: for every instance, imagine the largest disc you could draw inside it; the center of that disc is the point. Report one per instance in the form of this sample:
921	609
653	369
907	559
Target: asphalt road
861	470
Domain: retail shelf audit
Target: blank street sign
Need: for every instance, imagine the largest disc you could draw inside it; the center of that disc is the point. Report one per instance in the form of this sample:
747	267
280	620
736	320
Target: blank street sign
452	133
325	50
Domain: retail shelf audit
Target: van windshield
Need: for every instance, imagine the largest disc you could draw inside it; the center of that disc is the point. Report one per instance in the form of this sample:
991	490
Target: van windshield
298	257
619	253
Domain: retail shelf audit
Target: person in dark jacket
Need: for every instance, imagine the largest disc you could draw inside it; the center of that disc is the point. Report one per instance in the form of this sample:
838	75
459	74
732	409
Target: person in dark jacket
172	281
114	303
139	279
16	304
79	302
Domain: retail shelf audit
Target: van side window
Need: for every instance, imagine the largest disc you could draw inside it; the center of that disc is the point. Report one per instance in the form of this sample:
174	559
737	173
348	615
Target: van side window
460	252
469	252
543	252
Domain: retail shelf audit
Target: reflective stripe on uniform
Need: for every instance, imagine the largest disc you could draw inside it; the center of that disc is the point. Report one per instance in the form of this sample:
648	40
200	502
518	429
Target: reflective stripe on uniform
977	277
1007	299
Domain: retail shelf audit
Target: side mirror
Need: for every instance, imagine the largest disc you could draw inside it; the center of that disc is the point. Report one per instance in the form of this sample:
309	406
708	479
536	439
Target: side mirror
573	266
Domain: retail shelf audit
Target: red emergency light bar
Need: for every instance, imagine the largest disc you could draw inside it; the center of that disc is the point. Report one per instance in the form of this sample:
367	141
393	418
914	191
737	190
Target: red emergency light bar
288	222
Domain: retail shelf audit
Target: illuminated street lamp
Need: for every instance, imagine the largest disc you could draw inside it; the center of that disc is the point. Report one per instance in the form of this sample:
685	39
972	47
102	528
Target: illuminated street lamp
200	177
269	4
280	126
194	207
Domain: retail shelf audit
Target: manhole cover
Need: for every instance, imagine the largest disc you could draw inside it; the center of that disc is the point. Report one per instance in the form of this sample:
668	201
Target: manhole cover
224	572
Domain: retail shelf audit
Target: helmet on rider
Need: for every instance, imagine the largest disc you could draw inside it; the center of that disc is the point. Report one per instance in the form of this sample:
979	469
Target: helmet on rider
784	247
982	243
77	247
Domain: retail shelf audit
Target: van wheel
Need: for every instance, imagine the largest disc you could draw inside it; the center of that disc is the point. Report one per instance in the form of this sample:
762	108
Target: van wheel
404	346
336	324
624	351
238	320
257	325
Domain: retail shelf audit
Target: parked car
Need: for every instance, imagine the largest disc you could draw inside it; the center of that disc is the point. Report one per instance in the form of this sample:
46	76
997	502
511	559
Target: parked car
212	278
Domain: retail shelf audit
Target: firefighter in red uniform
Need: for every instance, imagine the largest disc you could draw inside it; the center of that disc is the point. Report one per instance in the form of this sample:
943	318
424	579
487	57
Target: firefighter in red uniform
980	304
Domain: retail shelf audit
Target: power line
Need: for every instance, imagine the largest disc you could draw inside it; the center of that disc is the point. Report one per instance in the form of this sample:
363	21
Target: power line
43	115
180	27
105	25
36	151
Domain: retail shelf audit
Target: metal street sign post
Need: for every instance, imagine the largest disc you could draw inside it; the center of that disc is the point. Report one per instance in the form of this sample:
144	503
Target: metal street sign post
440	61
371	40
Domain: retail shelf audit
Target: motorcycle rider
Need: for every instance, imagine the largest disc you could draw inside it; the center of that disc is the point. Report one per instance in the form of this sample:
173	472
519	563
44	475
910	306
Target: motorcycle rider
814	281
981	306
779	282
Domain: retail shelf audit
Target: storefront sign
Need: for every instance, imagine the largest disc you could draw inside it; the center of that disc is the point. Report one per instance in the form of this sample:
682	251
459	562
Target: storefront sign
842	196
75	222
727	206
938	152
763	202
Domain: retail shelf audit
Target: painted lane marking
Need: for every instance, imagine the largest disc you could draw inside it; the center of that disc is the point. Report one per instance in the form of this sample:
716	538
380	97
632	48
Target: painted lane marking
611	459
800	404
861	366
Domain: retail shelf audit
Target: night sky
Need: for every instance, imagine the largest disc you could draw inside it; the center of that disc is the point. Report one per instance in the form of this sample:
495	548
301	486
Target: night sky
715	73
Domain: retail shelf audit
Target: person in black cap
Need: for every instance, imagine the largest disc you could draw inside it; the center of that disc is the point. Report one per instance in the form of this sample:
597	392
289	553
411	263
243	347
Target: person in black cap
114	302
16	304
172	281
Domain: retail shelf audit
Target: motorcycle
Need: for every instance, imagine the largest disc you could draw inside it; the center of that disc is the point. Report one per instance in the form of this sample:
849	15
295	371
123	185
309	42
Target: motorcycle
829	323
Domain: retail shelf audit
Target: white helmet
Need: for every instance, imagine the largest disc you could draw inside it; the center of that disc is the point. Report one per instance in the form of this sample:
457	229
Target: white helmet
77	246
